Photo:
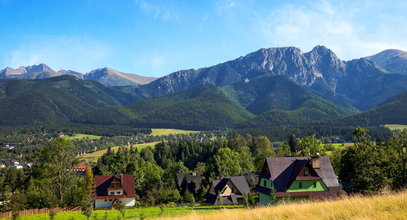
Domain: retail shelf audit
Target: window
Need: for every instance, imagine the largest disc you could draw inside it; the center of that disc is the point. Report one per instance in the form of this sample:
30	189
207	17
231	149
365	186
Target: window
306	171
314	184
265	183
111	193
300	185
110	200
105	200
118	192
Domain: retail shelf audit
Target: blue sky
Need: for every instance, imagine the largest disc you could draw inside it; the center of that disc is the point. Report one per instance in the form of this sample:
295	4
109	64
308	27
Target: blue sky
157	37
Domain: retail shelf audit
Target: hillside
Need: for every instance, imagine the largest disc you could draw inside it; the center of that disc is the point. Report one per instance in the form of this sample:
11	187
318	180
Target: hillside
276	100
266	93
53	100
201	107
392	60
111	77
391	206
392	111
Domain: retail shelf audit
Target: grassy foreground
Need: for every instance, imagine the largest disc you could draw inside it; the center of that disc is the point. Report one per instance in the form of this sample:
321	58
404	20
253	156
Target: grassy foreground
391	206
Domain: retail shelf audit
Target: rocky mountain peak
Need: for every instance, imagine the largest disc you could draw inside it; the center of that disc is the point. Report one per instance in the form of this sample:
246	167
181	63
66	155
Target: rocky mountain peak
392	60
38	68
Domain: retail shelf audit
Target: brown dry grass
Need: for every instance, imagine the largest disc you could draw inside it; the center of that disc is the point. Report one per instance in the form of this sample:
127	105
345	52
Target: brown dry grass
389	206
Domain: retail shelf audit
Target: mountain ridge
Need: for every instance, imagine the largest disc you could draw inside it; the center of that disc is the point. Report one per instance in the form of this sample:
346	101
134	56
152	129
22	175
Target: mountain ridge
106	75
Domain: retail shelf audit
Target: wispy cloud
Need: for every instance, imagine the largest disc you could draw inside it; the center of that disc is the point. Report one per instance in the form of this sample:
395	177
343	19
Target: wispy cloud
223	5
158	10
59	52
336	25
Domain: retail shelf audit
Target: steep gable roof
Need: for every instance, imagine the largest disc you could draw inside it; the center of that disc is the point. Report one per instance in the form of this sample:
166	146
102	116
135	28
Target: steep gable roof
284	170
189	178
239	182
103	182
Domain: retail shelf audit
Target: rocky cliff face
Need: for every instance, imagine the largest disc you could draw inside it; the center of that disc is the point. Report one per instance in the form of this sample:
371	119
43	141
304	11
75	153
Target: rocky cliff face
319	69
320	65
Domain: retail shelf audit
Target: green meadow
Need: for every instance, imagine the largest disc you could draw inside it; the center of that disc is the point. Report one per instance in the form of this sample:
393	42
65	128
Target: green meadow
134	213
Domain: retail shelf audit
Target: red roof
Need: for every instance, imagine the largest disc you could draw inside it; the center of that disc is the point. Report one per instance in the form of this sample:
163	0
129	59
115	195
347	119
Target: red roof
103	182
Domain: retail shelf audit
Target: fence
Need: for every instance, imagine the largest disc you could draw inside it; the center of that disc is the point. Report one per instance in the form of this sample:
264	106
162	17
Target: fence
38	211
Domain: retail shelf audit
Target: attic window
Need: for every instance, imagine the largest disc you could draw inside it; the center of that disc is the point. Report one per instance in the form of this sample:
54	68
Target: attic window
300	185
265	183
306	171
314	184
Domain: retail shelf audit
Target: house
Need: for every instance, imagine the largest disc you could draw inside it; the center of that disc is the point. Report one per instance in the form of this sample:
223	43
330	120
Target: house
111	190
228	191
79	169
297	178
189	181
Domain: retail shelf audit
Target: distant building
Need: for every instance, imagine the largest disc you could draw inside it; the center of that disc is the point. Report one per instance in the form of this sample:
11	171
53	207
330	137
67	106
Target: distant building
297	178
111	190
189	181
228	191
79	169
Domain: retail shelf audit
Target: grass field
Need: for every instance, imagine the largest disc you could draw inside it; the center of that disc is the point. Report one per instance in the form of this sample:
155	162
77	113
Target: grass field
391	206
93	157
341	145
396	127
166	131
151	212
82	136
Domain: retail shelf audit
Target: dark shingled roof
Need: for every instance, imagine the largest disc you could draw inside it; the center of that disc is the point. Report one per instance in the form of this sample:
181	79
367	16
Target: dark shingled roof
190	178
284	170
239	182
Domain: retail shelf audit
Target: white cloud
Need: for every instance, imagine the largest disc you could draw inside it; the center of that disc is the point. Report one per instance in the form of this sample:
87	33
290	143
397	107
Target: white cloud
59	52
344	27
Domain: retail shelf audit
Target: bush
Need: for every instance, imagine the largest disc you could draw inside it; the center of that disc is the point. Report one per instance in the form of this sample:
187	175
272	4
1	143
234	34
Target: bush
188	198
169	195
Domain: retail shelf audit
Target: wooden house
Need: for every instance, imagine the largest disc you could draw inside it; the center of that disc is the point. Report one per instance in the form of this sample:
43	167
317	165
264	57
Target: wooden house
297	178
228	191
111	190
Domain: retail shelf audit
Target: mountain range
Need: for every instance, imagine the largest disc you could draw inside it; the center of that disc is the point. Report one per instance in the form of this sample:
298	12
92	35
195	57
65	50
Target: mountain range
269	87
106	75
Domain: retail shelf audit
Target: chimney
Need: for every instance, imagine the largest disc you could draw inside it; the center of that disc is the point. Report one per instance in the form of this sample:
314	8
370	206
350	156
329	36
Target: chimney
316	162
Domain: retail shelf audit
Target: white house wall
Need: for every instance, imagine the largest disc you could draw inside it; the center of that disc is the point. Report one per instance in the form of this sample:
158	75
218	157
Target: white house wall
101	203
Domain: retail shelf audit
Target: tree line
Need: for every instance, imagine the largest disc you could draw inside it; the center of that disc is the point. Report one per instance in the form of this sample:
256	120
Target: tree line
368	166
